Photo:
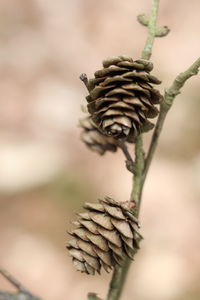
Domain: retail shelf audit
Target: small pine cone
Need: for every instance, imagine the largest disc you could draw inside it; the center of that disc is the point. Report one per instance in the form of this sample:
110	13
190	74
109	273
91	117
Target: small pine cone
121	98
94	139
105	235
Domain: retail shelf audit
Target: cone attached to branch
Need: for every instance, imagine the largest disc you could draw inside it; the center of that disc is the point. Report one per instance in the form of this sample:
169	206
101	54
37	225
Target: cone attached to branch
105	234
94	139
121	98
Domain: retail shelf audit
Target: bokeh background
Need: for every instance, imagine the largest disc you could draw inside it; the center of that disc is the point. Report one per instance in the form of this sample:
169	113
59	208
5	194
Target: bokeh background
46	173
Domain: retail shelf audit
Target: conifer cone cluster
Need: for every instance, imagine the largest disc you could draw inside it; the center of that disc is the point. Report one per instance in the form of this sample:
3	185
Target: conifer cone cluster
94	139
105	234
121	98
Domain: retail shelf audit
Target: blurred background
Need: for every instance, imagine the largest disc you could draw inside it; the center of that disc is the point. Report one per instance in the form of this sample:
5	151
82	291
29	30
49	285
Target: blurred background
46	173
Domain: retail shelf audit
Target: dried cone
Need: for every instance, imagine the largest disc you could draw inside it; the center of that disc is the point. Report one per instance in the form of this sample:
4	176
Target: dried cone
94	139
121	98
105	235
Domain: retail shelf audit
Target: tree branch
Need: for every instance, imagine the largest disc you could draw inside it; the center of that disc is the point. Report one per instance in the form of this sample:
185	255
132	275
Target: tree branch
169	97
120	273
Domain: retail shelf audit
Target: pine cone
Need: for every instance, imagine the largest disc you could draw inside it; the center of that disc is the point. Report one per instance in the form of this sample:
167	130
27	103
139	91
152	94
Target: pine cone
104	236
121	98
94	139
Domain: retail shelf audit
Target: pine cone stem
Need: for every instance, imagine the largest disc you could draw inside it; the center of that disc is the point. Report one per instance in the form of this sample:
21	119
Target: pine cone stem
124	148
130	164
138	177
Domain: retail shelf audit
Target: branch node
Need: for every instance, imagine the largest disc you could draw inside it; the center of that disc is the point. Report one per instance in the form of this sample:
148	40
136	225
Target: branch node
162	31
130	165
143	19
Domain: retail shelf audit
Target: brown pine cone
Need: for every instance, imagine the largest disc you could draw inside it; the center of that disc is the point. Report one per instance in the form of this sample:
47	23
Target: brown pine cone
105	235
94	139
121	98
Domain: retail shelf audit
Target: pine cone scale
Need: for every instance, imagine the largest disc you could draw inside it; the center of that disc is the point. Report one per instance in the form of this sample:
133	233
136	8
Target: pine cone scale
84	216
114	211
90	226
79	266
99	241
114	79
102	220
92	261
128	242
77	254
103	255
118	91
123	227
94	206
117	250
118	260
85	247
110	71
111	236
81	233
97	91
129	252
89	269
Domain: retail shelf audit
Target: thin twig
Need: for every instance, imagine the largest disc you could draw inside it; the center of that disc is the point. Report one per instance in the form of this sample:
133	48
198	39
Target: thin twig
13	281
169	97
23	293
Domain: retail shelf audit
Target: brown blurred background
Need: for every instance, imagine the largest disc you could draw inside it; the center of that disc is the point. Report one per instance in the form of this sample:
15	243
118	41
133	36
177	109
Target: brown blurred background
46	173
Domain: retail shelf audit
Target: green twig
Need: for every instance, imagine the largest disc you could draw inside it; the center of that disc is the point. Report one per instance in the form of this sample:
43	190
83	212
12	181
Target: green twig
137	179
139	153
119	275
147	51
118	280
169	97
